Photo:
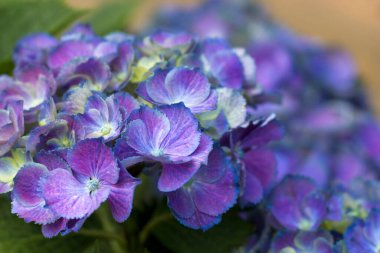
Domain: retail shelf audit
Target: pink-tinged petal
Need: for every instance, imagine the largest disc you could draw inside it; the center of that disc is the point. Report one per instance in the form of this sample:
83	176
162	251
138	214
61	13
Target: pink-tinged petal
147	132
121	196
91	158
67	51
181	203
203	150
27	184
70	198
27	200
51	160
184	136
173	176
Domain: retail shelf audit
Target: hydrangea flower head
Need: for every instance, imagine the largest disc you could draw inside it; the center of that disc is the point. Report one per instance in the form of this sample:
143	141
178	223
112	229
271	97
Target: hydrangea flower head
303	242
169	135
363	235
211	192
296	204
177	85
11	125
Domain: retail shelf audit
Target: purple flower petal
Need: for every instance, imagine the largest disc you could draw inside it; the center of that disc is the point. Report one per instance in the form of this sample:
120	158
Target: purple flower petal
70	198
89	71
297	204
259	172
91	158
210	193
179	85
33	48
67	51
173	176
147	130
121	196
183	137
27	200
51	160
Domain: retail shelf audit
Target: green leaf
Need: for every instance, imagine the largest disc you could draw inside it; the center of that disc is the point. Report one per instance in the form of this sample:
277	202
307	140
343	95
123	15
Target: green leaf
231	233
16	236
111	17
21	17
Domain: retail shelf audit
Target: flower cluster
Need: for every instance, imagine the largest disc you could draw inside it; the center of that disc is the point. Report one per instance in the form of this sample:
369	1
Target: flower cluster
326	181
83	116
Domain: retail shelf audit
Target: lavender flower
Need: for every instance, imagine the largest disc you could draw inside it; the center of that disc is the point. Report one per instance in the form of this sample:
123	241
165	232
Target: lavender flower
169	135
11	125
95	177
296	203
211	191
303	242
363	235
184	85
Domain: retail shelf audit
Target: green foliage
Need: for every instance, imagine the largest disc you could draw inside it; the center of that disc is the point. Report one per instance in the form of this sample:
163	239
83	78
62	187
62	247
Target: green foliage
16	236
21	17
111	17
224	237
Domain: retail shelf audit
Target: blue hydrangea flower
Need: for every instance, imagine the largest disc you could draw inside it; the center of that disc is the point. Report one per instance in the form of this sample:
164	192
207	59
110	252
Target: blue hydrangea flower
105	117
95	177
91	72
9	166
334	70
222	63
364	235
303	242
200	203
33	84
33	48
273	64
177	85
297	204
11	125
169	135
257	162
166	43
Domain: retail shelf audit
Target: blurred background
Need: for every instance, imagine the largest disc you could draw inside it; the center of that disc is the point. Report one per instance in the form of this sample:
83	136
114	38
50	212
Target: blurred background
353	25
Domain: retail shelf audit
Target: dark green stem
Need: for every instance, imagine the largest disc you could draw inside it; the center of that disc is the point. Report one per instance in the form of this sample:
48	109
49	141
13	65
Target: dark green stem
151	224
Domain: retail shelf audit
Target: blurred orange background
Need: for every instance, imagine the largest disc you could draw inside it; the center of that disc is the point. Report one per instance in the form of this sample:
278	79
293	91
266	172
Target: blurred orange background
353	25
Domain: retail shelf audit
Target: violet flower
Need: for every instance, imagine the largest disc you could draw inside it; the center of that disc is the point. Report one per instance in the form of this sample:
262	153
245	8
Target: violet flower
200	203
168	135
11	125
363	235
177	85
